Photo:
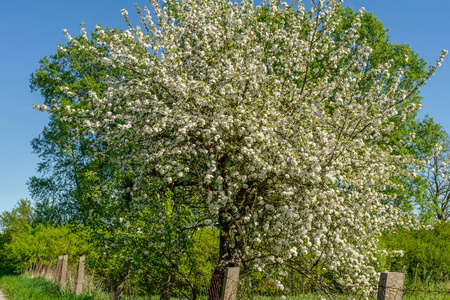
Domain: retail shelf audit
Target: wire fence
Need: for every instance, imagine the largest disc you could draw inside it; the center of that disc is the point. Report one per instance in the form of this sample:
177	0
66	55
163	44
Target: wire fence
379	292
273	290
224	287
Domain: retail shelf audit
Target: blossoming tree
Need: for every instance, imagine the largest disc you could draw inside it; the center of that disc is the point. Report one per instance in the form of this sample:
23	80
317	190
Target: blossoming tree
253	120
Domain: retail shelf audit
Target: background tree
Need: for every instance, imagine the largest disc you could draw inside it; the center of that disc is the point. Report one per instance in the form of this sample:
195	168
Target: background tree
437	202
17	220
12	224
43	242
411	135
69	169
25	242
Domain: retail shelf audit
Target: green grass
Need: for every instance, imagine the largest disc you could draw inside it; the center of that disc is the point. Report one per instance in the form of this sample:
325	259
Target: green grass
22	287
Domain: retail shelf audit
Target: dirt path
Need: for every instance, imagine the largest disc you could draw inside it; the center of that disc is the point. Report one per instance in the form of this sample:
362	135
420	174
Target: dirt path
2	297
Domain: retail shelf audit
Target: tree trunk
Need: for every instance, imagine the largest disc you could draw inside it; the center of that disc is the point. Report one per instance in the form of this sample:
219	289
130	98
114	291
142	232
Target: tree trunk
229	257
120	284
215	286
119	291
165	292
194	293
148	287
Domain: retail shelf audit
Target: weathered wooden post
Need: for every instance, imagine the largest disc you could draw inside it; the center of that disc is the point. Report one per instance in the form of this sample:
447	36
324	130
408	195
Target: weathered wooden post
38	268
230	284
63	280
48	267
56	275
390	286
80	276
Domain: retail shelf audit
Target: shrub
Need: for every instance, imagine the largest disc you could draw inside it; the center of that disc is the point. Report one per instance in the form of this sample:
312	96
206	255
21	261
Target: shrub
426	256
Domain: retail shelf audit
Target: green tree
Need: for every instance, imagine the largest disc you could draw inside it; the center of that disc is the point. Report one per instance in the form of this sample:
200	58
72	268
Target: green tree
435	205
12	224
18	220
25	242
43	242
414	136
69	170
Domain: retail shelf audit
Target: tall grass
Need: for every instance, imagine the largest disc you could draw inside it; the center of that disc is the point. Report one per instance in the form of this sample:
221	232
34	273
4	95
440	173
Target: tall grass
424	279
23	287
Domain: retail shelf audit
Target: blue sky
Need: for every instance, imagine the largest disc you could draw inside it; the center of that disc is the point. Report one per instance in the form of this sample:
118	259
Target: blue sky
30	30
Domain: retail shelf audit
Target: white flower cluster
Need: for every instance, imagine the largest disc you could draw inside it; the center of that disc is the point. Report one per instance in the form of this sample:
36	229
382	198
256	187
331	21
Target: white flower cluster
255	115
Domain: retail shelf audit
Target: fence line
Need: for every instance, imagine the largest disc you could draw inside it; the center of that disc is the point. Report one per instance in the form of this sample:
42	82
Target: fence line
61	272
230	287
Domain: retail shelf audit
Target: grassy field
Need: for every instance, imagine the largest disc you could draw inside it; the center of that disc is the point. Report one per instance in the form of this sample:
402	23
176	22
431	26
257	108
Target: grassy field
23	287
26	288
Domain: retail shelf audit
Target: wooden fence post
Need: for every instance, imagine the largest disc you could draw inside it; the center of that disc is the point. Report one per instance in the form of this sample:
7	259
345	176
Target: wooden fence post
56	275
390	286
230	284
63	279
80	277
48	267
38	268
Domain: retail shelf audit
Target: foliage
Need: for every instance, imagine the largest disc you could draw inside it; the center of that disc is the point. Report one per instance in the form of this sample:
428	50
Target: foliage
18	220
426	253
190	276
24	243
437	172
66	168
44	242
198	264
12	224
275	132
415	192
412	135
155	268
